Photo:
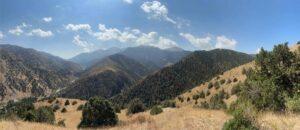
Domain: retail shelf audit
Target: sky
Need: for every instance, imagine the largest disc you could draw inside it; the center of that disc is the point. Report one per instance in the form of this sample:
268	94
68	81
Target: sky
66	28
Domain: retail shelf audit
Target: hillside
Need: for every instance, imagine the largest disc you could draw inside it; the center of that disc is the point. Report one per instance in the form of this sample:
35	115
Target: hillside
155	58
191	71
107	78
27	72
89	58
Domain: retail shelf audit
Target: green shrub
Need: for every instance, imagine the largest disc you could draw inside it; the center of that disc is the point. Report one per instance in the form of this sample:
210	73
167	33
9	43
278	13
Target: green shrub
51	99
80	107
217	85
239	123
67	103
210	85
204	105
202	94
216	101
64	110
196	97
188	99
168	103
56	102
74	102
117	108
98	112
222	81
293	104
135	106
45	114
55	107
156	110
61	123
17	109
181	99
236	89
207	93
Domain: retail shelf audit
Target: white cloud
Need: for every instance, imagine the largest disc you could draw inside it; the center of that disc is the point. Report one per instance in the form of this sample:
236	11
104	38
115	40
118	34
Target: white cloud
128	1
18	30
201	43
77	27
156	10
224	42
81	43
133	36
1	35
40	33
47	19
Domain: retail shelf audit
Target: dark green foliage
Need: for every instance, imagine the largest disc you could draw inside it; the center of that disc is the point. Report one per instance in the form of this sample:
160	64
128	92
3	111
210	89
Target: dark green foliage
156	110
20	108
275	78
67	103
216	101
204	105
135	106
98	112
196	97
51	99
201	94
222	81
64	110
210	85
74	102
117	108
168	103
217	85
239	123
229	81
45	115
56	102
293	104
61	123
80	107
191	71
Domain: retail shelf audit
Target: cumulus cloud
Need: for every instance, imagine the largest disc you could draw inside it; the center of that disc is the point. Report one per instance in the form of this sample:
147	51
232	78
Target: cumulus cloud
47	19
224	42
201	43
1	35
77	27
133	36
156	10
128	1
40	33
18	30
83	44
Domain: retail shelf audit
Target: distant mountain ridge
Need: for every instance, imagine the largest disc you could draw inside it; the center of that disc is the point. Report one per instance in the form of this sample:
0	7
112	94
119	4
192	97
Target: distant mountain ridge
27	72
192	70
107	78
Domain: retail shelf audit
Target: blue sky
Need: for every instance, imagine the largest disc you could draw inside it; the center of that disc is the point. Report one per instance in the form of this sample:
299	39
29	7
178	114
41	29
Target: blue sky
69	27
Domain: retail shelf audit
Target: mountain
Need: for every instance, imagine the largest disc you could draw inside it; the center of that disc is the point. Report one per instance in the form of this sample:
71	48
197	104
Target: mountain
155	58
88	59
193	70
107	78
27	72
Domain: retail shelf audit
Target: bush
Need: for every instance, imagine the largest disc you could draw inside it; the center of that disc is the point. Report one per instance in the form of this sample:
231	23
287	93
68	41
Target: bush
74	102
156	110
61	123
235	80
45	115
217	85
236	89
293	104
51	99
98	112
207	93
55	107
181	99
117	108
210	85
80	107
222	81
64	110
239	123
56	102
216	101
188	99
18	109
67	103
196	97
201	94
204	105
135	106
168	103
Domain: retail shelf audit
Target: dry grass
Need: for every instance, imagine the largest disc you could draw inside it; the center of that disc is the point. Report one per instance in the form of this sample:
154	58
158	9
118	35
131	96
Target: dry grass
272	121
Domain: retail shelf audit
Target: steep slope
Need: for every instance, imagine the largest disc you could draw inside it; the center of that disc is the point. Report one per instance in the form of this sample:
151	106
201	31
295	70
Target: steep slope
153	57
107	78
27	72
88	59
193	70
